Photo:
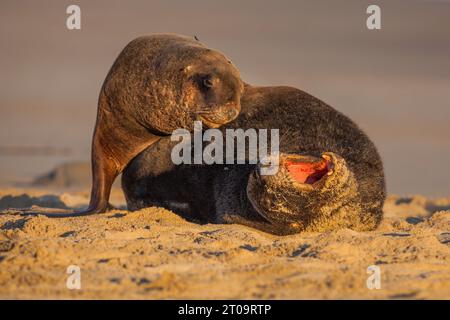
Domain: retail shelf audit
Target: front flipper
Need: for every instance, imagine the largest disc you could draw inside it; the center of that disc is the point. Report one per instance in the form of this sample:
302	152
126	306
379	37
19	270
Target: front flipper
117	140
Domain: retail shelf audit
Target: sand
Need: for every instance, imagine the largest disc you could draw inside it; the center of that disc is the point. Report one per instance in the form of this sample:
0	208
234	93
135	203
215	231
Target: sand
393	83
155	254
50	80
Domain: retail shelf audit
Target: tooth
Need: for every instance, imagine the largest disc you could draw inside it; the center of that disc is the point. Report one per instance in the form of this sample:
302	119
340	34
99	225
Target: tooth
329	173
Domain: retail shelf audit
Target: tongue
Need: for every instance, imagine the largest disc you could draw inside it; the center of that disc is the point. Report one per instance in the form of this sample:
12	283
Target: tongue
306	172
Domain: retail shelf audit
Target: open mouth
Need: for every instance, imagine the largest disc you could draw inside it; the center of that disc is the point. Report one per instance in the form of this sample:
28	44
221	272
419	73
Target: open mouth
308	170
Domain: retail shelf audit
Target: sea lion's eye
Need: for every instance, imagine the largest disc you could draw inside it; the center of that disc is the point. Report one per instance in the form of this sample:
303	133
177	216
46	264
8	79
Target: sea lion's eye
207	82
203	81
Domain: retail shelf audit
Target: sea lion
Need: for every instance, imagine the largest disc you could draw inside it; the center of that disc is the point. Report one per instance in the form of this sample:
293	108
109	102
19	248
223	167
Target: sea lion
330	174
157	84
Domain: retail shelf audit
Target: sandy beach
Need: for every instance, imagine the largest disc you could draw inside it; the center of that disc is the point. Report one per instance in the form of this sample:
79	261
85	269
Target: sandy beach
155	254
393	82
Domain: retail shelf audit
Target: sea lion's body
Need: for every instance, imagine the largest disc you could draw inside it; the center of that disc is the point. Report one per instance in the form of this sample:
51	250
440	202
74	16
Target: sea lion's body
348	189
157	84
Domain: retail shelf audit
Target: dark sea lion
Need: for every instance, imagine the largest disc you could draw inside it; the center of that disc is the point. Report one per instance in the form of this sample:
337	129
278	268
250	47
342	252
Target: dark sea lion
330	174
157	84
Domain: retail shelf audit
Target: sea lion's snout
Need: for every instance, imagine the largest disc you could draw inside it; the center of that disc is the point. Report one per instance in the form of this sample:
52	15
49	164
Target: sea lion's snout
220	115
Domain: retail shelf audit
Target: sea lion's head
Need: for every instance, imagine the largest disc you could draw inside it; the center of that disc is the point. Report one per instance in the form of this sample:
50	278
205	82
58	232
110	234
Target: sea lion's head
306	194
212	89
166	82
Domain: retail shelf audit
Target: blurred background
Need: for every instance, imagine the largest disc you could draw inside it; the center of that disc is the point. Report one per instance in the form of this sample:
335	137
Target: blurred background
394	82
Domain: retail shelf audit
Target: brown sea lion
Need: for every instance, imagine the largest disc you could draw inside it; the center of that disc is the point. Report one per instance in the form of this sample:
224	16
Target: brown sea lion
330	174
157	84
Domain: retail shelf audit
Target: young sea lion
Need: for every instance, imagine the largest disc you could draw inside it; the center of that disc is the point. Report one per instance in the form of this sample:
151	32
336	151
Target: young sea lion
330	174
157	84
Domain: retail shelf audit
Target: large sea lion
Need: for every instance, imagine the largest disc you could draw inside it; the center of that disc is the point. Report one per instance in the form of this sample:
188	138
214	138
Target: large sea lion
157	84
330	174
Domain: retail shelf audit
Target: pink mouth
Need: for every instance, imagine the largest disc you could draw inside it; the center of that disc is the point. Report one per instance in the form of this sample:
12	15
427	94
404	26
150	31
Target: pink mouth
307	172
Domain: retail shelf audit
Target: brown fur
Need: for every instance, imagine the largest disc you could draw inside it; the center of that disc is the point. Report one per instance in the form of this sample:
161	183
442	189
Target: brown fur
157	84
352	197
